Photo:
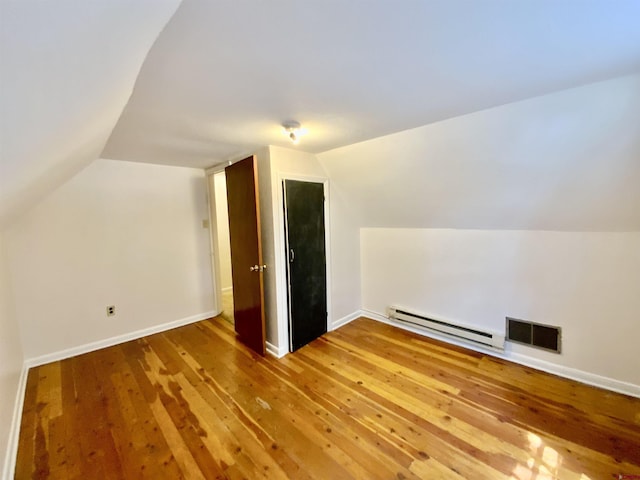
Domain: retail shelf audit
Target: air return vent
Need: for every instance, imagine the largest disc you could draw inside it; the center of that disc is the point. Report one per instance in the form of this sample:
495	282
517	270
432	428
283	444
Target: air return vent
460	331
536	335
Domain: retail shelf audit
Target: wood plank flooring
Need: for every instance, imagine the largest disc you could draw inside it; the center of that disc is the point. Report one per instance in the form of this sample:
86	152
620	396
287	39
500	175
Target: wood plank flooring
368	401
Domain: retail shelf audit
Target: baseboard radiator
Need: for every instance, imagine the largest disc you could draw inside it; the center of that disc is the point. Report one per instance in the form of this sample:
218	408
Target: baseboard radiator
459	331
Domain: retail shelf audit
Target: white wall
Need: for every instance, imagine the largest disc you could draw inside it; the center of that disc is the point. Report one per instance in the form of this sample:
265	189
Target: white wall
345	257
222	223
11	361
586	283
118	233
531	210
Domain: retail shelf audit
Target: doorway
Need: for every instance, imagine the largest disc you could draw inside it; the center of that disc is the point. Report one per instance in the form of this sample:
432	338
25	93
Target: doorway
219	189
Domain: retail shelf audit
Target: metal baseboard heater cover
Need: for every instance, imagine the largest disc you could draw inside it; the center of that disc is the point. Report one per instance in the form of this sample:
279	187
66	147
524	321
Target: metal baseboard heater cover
460	331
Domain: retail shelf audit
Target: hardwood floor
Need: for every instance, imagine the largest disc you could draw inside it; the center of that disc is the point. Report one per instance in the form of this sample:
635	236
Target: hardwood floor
367	401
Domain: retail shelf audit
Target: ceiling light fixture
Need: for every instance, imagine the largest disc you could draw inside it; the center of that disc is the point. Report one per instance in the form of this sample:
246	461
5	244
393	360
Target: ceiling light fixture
293	130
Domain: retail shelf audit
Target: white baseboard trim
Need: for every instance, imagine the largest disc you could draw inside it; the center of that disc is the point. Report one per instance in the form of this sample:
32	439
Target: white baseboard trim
553	368
275	351
581	376
108	342
14	431
346	319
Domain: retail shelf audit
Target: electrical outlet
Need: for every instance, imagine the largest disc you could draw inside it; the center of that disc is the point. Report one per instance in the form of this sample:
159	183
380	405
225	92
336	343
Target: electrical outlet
111	310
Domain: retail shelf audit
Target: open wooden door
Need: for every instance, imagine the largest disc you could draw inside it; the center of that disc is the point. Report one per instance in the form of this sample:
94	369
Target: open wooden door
246	253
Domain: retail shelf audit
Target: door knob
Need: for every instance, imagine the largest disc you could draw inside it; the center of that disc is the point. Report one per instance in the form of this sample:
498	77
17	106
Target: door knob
255	268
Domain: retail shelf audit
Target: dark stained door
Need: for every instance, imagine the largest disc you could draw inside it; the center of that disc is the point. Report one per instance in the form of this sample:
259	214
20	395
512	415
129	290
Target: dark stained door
246	253
307	271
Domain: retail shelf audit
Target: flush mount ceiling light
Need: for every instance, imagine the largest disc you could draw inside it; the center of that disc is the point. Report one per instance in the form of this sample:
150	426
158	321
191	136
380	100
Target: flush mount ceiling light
293	130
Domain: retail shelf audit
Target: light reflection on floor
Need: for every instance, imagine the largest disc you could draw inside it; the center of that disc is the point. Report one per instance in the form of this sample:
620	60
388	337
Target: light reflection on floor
544	464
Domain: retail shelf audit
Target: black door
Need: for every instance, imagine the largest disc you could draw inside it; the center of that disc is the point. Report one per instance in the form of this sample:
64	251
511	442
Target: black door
307	272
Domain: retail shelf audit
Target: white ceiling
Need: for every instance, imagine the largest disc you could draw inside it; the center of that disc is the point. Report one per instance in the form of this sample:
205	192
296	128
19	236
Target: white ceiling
223	75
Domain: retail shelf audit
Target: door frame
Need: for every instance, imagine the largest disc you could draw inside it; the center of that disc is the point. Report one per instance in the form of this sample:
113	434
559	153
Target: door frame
281	258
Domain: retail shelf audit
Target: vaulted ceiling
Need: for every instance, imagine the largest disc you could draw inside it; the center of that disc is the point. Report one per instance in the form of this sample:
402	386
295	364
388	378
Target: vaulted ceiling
67	69
215	79
224	75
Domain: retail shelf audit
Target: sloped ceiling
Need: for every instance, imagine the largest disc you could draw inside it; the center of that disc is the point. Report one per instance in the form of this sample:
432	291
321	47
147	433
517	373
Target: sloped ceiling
566	161
223	75
67	69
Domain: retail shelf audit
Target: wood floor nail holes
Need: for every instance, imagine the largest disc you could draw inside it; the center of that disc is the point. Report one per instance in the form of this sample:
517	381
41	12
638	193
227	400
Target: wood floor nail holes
368	401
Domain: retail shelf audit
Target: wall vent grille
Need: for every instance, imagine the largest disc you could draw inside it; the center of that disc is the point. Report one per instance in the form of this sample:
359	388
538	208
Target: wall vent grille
546	337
